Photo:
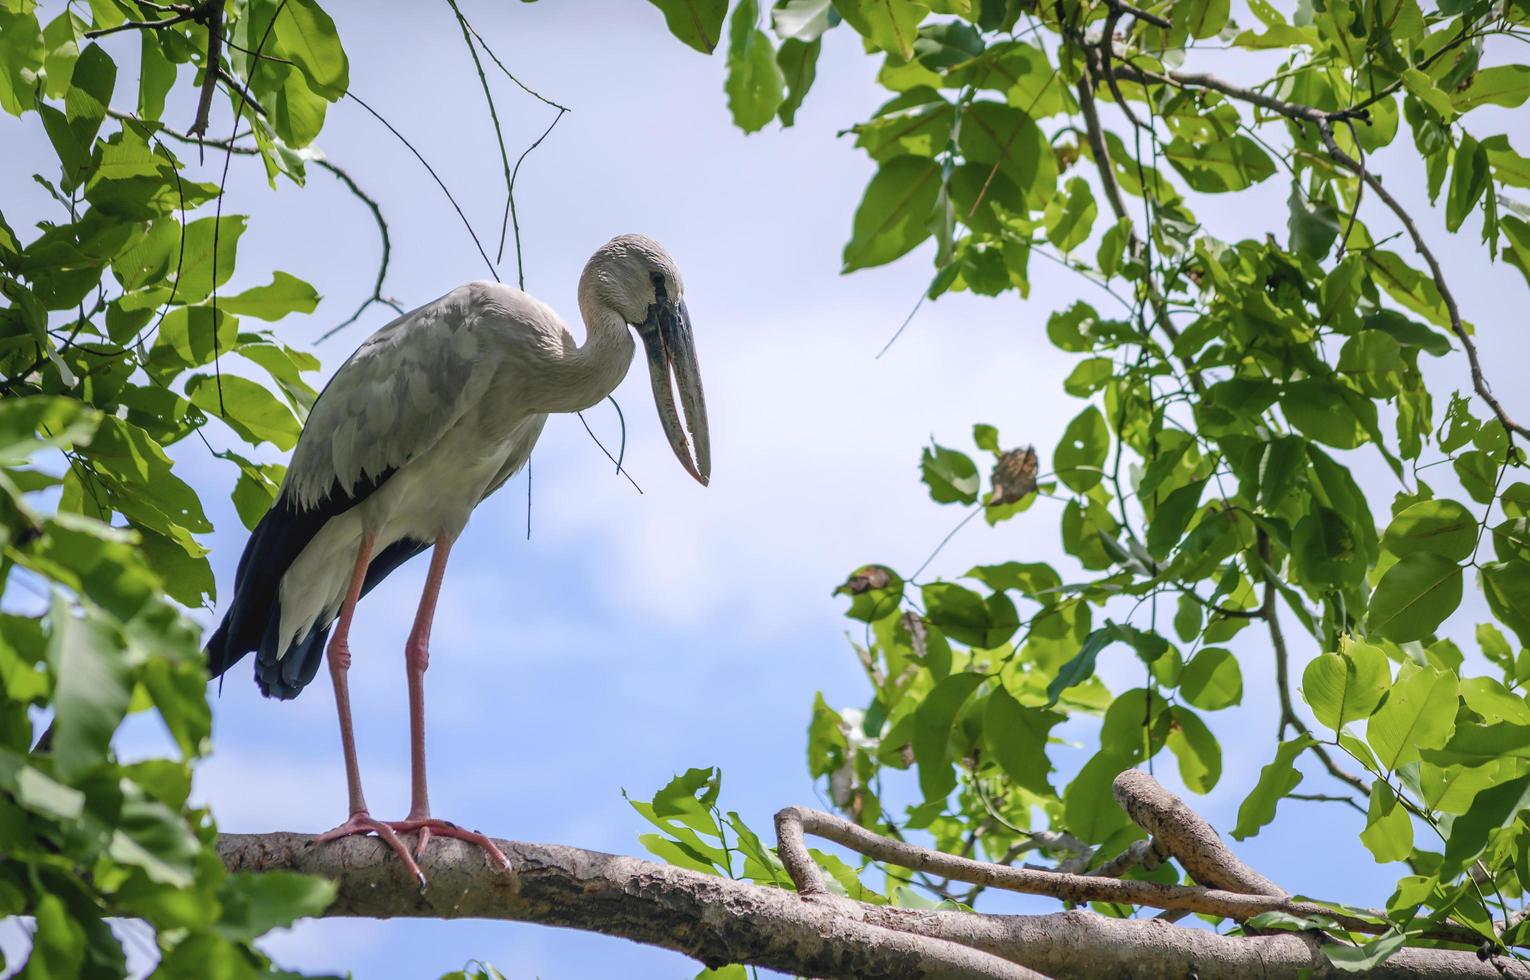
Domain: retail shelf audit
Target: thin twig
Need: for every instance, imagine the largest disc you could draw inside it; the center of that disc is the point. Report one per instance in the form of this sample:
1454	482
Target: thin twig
434	176
499	135
1479	383
515	221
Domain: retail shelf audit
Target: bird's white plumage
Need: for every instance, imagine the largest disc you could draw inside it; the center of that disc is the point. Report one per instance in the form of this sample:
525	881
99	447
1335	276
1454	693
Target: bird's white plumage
451	397
434	412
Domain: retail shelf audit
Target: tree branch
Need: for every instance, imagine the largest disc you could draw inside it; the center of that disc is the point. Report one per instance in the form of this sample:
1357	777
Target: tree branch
1324	119
1479	383
718	921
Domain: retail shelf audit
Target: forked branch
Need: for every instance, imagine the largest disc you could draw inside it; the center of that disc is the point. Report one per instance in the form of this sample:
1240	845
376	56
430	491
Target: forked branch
814	932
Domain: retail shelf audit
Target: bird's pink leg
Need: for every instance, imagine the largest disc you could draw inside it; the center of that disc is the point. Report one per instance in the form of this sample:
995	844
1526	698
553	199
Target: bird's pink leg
339	656
417	658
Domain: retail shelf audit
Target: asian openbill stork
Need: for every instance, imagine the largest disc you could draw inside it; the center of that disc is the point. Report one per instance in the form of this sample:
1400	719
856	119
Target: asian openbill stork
432	414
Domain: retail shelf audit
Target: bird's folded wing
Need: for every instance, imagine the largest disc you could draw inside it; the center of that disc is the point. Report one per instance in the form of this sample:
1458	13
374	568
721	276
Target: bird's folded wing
395	397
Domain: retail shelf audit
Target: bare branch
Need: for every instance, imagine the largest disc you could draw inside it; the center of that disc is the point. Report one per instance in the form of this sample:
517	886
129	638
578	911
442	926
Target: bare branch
1180	831
211	15
793	822
719	921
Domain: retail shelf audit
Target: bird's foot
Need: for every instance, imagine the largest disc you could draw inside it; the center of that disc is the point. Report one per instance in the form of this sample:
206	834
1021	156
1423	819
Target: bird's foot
427	827
362	823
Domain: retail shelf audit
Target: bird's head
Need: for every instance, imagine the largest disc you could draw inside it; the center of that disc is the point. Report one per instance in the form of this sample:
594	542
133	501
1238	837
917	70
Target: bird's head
635	276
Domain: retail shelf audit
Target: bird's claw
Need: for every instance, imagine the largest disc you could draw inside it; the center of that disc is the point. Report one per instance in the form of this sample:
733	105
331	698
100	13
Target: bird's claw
424	828
363	823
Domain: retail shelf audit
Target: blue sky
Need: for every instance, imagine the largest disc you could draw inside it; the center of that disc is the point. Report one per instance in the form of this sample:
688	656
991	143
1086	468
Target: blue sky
634	636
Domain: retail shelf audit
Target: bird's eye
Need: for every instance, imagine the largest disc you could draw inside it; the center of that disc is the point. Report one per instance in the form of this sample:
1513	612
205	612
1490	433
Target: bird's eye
658	284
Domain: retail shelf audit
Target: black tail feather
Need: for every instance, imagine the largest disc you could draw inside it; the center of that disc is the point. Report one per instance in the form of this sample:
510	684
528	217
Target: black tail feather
277	540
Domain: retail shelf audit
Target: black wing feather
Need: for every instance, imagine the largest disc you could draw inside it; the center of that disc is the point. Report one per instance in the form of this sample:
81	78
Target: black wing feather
278	539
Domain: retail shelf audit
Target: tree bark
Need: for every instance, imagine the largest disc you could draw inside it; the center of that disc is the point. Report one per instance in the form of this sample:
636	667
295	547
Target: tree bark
719	921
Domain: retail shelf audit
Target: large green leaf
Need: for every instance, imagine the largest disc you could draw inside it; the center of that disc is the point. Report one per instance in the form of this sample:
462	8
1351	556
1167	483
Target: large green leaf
1081	452
1212	680
1415	596
895	212
1419	713
932	730
254	904
283	295
891	25
1016	738
92	694
1220	165
249	409
1199	755
306	36
697	23
1507	587
1440	526
755	85
1346	686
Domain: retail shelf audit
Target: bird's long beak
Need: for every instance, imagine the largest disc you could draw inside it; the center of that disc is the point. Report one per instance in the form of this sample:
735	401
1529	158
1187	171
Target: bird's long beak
667	338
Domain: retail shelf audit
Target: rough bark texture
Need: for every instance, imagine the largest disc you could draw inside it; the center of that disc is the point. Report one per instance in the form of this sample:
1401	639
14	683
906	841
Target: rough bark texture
719	921
1186	835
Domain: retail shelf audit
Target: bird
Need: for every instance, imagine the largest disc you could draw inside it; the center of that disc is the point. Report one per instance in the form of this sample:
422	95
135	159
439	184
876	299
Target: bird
430	416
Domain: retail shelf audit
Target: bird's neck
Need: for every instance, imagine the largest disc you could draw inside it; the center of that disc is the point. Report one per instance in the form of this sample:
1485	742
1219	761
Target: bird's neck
592	370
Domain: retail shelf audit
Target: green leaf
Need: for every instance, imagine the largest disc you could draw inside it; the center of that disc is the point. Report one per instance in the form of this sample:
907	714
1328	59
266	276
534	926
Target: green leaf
1212	680
1490	809
1201	18
1080	667
891	25
1415	596
1313	227
755	85
1090	810
993	134
285	294
1440	526
1326	551
1506	585
42	422
1016	738
253	904
894	214
197	273
306	35
250	410
1477	745
1070	216
951	476
94	686
1469	178
798	61
1275	781
1504	85
21	55
697	23
966	617
1219	165
1199	755
1081	452
1388	832
1419	713
1363	959
151	836
1346	686
933	720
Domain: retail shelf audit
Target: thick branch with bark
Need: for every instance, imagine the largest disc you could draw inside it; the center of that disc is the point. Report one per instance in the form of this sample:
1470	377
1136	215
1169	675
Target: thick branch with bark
812	932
